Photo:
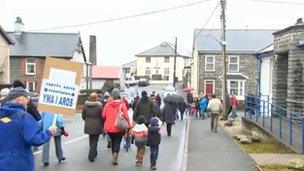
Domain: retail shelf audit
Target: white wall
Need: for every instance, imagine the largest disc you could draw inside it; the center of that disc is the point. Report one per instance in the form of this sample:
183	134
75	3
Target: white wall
266	76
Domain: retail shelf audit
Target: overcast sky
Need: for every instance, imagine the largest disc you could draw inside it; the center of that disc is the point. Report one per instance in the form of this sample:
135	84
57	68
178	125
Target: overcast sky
118	42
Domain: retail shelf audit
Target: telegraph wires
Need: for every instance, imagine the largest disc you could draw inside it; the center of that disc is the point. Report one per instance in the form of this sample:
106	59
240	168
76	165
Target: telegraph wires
123	18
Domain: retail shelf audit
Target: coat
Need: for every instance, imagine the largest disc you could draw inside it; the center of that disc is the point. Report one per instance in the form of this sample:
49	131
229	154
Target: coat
144	107
203	102
233	102
168	114
19	132
139	131
110	113
154	137
91	114
215	106
47	121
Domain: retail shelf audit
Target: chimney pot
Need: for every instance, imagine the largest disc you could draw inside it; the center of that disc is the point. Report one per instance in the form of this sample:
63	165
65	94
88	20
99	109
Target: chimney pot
18	26
299	21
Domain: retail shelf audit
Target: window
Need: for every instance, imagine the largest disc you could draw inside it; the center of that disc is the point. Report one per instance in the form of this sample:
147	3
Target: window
166	59
237	87
30	86
30	66
209	63
166	71
148	59
148	71
233	63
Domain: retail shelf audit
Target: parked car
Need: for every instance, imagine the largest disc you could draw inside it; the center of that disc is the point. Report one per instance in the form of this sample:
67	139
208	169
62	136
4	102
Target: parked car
169	90
143	82
130	81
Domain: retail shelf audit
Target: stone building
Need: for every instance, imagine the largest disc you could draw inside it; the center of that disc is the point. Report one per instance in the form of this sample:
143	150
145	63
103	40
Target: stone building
288	72
241	64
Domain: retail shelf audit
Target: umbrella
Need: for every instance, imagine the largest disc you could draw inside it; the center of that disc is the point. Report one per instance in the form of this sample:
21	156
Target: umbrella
172	98
188	89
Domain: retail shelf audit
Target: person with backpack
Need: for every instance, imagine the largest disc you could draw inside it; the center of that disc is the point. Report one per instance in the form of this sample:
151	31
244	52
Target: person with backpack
153	142
140	132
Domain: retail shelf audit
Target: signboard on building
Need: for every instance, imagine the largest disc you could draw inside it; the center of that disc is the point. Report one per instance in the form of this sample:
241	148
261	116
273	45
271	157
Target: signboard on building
60	86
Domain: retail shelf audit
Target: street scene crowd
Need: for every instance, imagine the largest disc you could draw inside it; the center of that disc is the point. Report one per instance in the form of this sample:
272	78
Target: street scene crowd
104	114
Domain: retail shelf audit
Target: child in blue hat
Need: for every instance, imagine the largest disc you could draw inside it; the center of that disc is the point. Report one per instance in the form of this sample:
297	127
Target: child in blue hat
153	141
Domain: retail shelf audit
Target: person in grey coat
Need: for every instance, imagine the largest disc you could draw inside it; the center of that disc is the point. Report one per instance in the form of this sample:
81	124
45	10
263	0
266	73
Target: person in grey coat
168	115
91	114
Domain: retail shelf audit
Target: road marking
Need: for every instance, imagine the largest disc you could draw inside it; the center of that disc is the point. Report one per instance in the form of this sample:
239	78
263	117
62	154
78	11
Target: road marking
181	149
185	147
68	142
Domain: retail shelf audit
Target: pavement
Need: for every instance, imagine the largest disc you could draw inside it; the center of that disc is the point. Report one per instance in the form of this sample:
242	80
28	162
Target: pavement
211	151
261	158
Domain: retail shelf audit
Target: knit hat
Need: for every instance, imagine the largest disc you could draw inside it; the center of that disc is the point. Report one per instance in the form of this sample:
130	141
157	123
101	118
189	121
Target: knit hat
17	92
115	93
154	121
144	93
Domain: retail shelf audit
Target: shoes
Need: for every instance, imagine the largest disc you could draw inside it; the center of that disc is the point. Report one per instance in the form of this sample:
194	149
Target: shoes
153	167
45	164
91	160
62	159
215	131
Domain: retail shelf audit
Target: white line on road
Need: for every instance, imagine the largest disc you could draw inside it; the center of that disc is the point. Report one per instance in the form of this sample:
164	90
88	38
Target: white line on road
68	142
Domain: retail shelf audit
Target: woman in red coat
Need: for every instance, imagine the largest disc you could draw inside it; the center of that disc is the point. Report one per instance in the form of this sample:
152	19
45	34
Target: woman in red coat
110	113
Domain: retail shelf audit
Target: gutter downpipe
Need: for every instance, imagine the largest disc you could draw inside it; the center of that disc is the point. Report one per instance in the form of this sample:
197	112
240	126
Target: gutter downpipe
259	62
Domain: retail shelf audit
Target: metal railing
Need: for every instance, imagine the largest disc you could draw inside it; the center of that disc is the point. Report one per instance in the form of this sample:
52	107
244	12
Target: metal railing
284	124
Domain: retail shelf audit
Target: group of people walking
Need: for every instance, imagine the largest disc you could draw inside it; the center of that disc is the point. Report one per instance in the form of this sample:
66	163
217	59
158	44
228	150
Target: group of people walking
20	121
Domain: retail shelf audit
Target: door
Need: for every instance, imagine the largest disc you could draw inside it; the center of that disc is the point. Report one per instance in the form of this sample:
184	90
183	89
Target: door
209	87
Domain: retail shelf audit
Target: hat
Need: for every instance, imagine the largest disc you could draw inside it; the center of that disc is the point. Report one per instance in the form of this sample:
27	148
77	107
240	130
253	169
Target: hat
144	93
17	92
154	121
115	93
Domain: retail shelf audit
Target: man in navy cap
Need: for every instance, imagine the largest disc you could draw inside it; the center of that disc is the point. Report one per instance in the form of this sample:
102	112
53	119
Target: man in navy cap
19	131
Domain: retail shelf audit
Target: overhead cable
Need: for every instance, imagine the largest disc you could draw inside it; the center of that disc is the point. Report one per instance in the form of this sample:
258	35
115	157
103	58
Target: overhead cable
123	18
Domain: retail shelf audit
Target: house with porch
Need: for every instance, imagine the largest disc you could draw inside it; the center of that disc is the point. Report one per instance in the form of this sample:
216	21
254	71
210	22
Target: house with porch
157	63
207	65
282	65
5	43
27	57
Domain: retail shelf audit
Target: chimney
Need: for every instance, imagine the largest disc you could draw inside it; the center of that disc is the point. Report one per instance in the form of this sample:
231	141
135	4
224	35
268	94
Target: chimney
18	26
299	21
93	50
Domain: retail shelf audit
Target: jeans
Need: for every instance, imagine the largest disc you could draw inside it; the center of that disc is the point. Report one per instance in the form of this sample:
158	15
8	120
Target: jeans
169	128
202	114
233	111
214	121
116	140
46	150
153	154
93	146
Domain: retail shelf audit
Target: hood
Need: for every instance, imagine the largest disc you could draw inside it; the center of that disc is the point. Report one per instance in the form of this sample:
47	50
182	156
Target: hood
92	104
114	103
9	108
153	129
140	128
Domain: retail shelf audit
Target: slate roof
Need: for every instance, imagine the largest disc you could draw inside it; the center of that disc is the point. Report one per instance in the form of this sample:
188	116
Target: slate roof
45	44
6	36
237	40
130	64
106	72
164	49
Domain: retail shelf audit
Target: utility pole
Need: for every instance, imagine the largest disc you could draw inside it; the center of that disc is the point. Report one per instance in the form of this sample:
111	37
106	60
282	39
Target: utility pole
224	58
174	67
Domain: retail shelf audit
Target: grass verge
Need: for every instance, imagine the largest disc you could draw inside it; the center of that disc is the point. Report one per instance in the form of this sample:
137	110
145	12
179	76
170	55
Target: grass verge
275	167
264	147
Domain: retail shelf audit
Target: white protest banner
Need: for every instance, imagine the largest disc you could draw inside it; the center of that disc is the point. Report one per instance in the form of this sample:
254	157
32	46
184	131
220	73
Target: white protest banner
60	86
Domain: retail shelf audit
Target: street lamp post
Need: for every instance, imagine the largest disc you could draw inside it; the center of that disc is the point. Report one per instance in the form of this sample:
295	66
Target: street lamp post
87	74
224	58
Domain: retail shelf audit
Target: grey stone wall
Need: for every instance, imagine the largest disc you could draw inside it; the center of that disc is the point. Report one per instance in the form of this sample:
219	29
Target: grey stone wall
289	80
248	67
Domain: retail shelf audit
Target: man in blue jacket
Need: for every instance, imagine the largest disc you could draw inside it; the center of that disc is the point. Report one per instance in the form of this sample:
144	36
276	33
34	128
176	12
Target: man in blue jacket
19	131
